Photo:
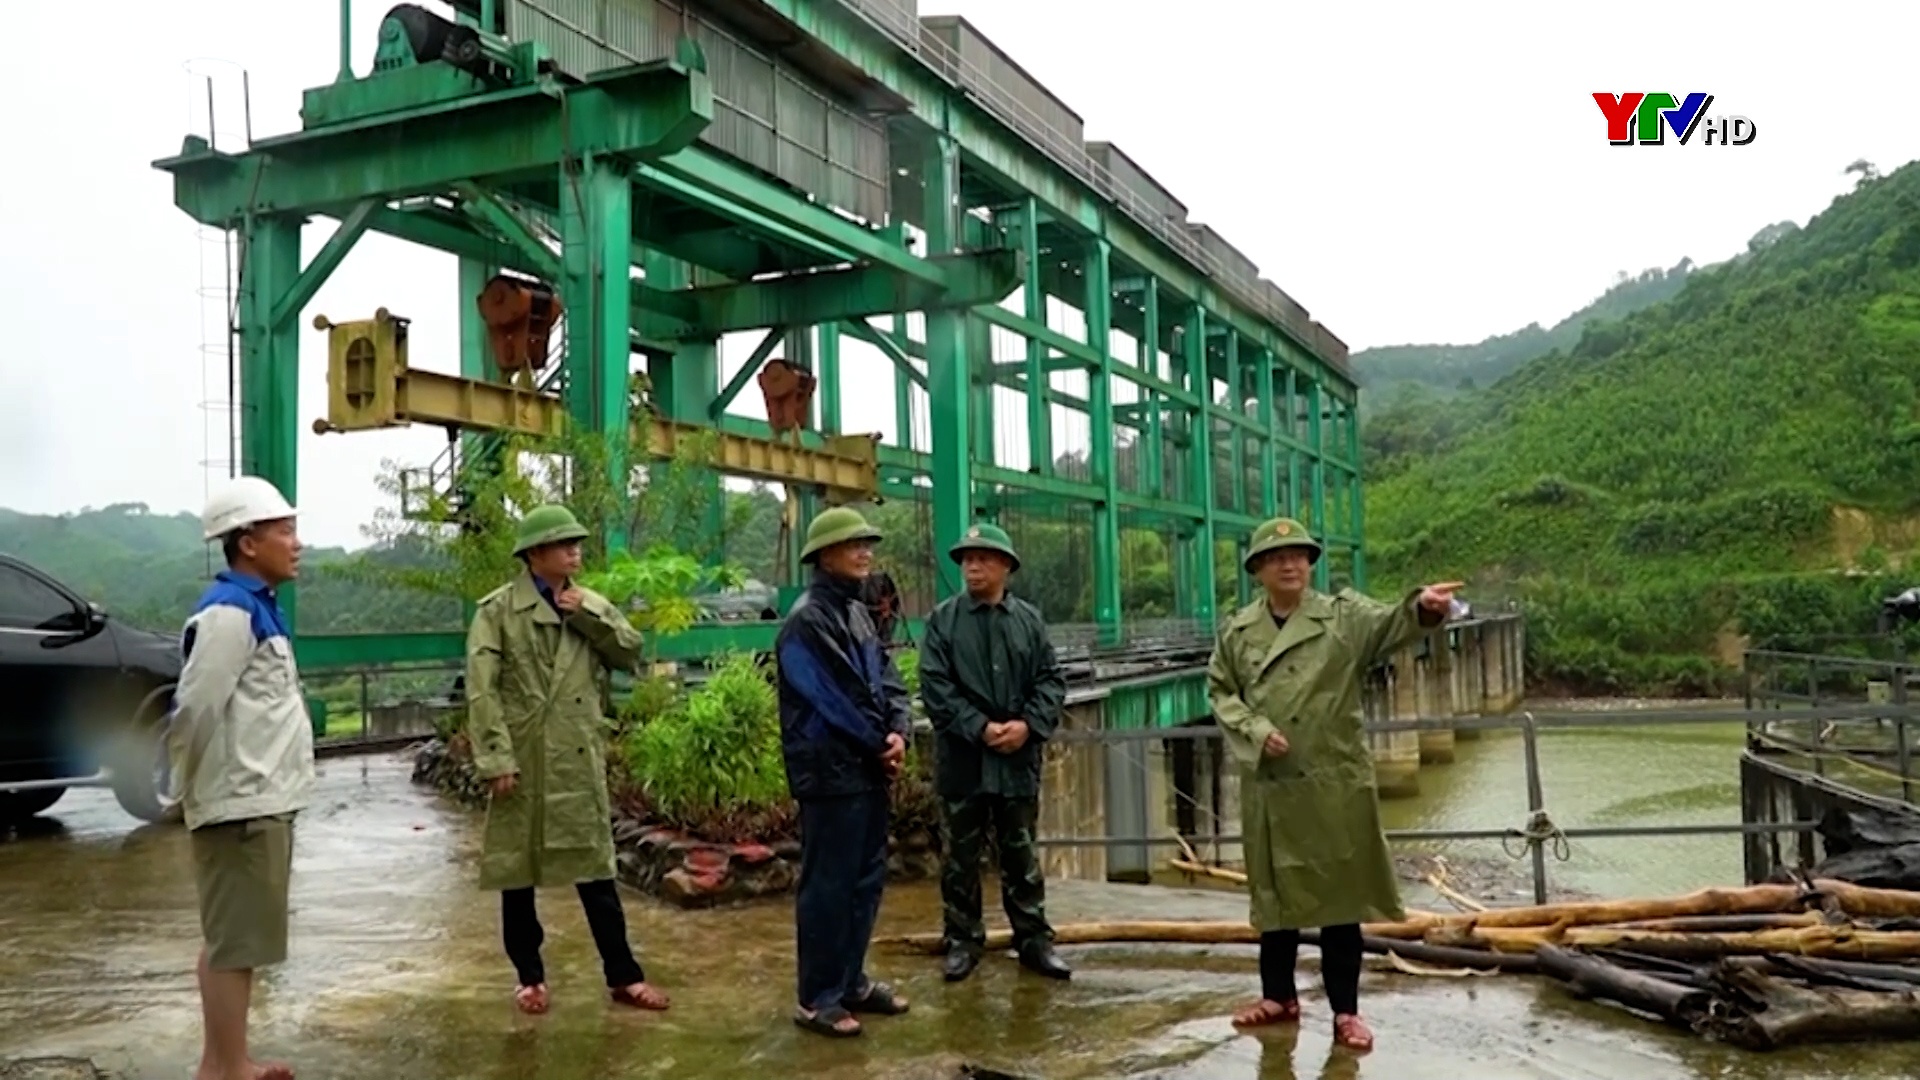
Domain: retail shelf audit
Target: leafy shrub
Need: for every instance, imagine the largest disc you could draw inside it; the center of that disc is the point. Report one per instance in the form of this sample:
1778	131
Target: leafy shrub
711	764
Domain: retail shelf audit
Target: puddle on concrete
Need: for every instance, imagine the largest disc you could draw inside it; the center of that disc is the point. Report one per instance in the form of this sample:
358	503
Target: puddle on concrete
397	972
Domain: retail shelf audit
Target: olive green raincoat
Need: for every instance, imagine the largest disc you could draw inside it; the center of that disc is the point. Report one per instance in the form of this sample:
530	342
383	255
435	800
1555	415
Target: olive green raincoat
536	705
1310	819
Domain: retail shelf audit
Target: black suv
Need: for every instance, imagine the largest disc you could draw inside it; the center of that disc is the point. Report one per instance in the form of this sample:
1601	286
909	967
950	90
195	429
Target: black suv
84	700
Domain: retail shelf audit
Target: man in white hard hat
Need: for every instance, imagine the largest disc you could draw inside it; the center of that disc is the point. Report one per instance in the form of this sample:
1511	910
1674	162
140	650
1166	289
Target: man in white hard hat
242	745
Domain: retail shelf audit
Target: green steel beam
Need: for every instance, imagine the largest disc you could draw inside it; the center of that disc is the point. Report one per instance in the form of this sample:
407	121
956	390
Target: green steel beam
740	378
806	299
485	207
320	653
646	111
596	224
1358	525
287	309
702	179
1269	442
902	362
1012	163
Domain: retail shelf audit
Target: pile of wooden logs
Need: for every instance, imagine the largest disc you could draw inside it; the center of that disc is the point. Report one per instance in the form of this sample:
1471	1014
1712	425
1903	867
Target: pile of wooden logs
1759	967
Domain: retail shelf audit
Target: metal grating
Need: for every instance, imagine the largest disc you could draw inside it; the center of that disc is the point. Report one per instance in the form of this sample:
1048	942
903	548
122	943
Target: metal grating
765	115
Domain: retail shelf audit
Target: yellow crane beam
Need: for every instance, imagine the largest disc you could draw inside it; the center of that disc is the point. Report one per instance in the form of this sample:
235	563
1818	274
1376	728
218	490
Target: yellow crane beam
370	387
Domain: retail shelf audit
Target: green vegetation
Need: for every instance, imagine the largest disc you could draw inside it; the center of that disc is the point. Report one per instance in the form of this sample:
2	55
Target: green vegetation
1742	458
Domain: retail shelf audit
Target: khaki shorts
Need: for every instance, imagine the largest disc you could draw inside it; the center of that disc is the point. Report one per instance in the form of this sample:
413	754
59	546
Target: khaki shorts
242	870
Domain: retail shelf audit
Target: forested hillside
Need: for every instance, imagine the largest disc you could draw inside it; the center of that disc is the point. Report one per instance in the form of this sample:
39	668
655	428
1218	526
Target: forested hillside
1711	465
1393	373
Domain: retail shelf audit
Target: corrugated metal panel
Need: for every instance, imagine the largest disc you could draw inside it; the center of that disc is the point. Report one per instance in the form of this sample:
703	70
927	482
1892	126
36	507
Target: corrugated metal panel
977	64
1134	180
765	115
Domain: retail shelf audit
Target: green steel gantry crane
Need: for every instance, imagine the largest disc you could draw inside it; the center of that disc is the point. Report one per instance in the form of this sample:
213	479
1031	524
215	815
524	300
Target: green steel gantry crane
760	162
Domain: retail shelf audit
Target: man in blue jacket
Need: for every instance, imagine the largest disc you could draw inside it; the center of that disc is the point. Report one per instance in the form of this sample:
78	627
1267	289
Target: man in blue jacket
844	723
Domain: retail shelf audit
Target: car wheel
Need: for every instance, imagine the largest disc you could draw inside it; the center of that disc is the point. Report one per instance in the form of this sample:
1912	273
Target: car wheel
18	806
141	770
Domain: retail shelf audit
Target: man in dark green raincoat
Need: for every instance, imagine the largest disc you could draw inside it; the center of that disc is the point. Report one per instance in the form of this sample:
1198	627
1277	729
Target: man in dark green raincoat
994	691
538	655
1285	684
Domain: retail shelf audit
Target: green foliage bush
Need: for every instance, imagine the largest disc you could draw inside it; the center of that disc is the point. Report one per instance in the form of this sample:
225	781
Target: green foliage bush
710	762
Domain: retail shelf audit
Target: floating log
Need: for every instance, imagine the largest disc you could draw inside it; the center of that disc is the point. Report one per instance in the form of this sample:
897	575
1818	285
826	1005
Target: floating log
1592	977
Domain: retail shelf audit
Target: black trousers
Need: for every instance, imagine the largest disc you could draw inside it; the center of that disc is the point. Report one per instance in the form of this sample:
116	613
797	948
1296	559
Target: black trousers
520	929
843	870
1339	966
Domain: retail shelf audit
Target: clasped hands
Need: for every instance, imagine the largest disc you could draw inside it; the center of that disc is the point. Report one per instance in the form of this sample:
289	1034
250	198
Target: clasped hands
1006	736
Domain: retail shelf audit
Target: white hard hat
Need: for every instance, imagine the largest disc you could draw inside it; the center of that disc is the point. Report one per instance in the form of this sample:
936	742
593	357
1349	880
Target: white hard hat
242	501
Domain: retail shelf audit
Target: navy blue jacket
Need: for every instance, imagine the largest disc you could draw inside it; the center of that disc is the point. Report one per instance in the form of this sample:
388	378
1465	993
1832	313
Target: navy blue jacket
840	695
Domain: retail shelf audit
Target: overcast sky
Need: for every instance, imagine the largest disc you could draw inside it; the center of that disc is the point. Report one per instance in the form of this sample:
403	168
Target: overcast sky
1411	172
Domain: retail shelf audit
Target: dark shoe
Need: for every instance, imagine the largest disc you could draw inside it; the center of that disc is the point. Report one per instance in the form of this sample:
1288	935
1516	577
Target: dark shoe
960	962
1042	960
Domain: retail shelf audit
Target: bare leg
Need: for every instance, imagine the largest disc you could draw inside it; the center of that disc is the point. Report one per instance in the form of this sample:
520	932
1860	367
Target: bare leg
224	998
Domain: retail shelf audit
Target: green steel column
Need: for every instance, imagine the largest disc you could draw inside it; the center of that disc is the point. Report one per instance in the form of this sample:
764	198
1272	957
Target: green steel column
1319	451
346	42
1153	474
828	347
270	362
1293	455
1269	446
798	348
1039	410
1359	514
476	358
986	449
1106	513
902	391
683	385
949	374
1193	342
597	229
1237	401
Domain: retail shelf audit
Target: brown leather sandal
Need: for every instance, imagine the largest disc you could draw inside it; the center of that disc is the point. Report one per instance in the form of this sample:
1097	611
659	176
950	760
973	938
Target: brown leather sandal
640	996
1352	1032
1266	1012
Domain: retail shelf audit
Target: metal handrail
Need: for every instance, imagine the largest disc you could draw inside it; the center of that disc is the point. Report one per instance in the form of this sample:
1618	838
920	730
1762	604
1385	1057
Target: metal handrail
904	29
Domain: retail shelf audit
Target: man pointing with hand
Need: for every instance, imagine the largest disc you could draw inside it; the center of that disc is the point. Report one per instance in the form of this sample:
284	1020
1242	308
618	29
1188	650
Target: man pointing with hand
994	691
1285	684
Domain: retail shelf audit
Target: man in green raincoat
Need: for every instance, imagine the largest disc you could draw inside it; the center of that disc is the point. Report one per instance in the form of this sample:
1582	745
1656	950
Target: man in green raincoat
538	654
1285	684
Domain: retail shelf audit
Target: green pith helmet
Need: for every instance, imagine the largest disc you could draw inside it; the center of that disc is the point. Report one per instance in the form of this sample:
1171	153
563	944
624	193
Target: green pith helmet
1280	533
981	536
836	526
547	524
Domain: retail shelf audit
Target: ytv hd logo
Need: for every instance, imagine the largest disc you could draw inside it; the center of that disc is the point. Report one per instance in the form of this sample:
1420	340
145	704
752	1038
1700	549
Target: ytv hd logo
1646	118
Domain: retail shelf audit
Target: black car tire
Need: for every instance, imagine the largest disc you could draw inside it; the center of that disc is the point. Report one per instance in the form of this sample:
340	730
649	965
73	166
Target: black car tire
139	760
18	806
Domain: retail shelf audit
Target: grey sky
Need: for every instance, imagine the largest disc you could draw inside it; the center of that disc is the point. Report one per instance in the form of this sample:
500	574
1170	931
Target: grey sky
1408	171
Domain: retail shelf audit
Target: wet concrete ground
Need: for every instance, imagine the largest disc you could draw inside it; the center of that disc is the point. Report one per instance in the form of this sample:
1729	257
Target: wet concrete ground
396	972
